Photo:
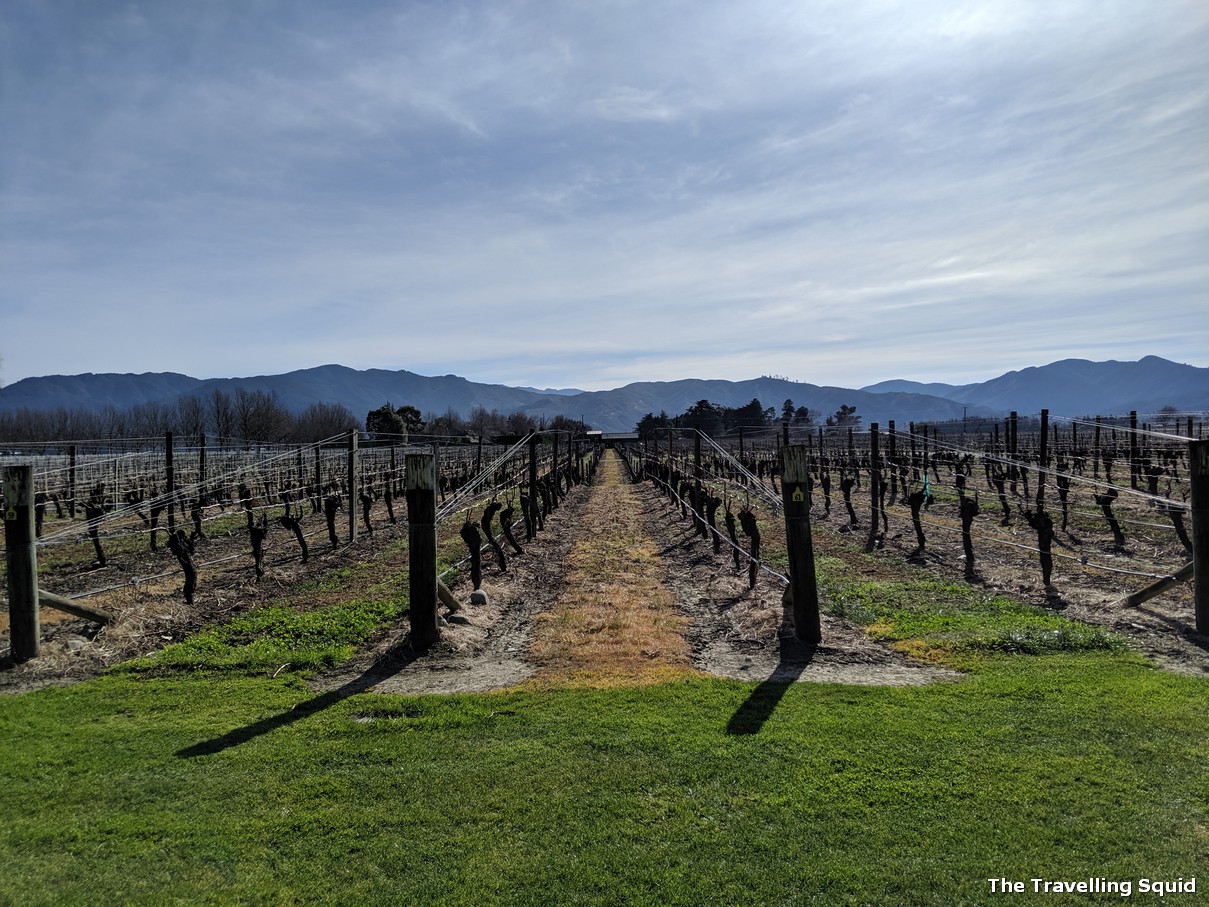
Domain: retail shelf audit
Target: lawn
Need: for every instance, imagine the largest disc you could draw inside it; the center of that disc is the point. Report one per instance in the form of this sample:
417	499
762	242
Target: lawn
210	773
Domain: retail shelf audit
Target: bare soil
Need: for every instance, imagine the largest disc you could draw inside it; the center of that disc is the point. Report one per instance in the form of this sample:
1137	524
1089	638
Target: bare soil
732	631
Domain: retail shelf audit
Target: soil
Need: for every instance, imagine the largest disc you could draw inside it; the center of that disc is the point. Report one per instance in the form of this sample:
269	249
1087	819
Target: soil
732	631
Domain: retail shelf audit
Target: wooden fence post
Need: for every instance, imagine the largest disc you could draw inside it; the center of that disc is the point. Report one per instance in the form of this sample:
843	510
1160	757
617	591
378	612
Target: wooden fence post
1133	449
421	492
353	482
795	473
1043	462
875	482
1198	463
21	558
170	480
534	508
71	478
202	491
698	507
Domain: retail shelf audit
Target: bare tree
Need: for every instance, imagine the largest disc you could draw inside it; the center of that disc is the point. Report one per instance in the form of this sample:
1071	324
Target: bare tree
222	413
191	416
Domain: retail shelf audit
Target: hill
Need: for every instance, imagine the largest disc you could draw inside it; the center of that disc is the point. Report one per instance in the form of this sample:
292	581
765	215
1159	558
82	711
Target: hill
1071	387
1078	387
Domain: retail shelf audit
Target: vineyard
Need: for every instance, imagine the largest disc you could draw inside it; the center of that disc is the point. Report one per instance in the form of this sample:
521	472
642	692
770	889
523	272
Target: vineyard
569	667
140	543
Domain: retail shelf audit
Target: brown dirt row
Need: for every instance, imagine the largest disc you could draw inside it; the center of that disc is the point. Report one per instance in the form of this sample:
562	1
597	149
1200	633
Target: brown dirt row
616	591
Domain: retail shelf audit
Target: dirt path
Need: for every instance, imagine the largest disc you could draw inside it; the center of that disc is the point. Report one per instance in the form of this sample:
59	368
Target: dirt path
616	622
617	591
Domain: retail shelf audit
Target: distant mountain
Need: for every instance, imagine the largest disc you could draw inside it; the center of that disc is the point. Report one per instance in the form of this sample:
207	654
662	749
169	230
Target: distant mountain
1079	387
89	391
560	391
1072	387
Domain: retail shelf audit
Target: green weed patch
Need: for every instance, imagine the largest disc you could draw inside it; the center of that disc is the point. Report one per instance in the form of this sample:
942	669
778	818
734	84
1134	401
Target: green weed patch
938	620
277	637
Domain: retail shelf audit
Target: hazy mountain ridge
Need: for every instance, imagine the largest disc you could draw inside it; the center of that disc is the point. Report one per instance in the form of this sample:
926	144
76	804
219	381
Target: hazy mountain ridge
1079	387
1071	387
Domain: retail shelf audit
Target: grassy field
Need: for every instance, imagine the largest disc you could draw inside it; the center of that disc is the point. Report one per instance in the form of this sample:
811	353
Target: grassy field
212	773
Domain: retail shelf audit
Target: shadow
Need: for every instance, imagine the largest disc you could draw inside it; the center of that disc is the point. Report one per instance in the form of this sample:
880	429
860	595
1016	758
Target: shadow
1187	629
390	664
1053	598
794	657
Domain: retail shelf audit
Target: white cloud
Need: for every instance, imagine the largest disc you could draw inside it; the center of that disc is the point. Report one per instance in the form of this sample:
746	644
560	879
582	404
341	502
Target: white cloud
578	195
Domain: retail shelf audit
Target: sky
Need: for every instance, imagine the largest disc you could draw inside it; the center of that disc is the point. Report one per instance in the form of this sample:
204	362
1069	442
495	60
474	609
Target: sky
588	194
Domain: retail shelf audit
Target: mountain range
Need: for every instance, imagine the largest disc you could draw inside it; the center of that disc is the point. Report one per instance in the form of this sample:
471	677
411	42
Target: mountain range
1070	387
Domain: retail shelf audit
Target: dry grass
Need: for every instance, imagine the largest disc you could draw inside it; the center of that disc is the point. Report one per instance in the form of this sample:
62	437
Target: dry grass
617	624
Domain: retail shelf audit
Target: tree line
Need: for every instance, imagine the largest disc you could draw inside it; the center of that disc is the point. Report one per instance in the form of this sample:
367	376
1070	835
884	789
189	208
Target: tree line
390	421
247	415
259	416
717	419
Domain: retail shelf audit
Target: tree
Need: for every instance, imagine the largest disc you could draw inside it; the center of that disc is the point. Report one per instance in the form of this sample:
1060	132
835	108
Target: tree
387	420
845	417
787	411
567	424
1169	414
412	420
802	416
650	423
749	415
383	422
703	415
260	416
191	416
320	421
222	413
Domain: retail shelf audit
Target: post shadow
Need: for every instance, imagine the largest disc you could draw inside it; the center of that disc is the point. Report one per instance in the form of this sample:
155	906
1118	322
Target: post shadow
391	664
794	656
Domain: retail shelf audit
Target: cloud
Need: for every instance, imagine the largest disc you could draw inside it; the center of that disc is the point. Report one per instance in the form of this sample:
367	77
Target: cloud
574	195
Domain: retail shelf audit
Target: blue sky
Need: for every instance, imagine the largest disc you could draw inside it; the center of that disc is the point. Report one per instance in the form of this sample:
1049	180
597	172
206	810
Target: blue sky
589	194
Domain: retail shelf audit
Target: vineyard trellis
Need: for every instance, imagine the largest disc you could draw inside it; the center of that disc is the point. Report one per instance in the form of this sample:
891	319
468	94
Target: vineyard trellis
933	475
1062	496
181	511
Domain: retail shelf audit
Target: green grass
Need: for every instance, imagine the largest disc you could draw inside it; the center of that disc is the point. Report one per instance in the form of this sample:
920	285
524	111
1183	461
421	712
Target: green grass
942	621
249	790
205	775
277	637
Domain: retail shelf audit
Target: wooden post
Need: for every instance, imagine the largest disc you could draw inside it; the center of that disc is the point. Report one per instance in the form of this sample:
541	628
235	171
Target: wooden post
319	471
1044	457
1198	465
71	454
795	473
21	558
891	453
534	507
698	507
1095	456
202	491
421	491
875	483
1013	449
353	483
740	443
1133	449
170	479
784	434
